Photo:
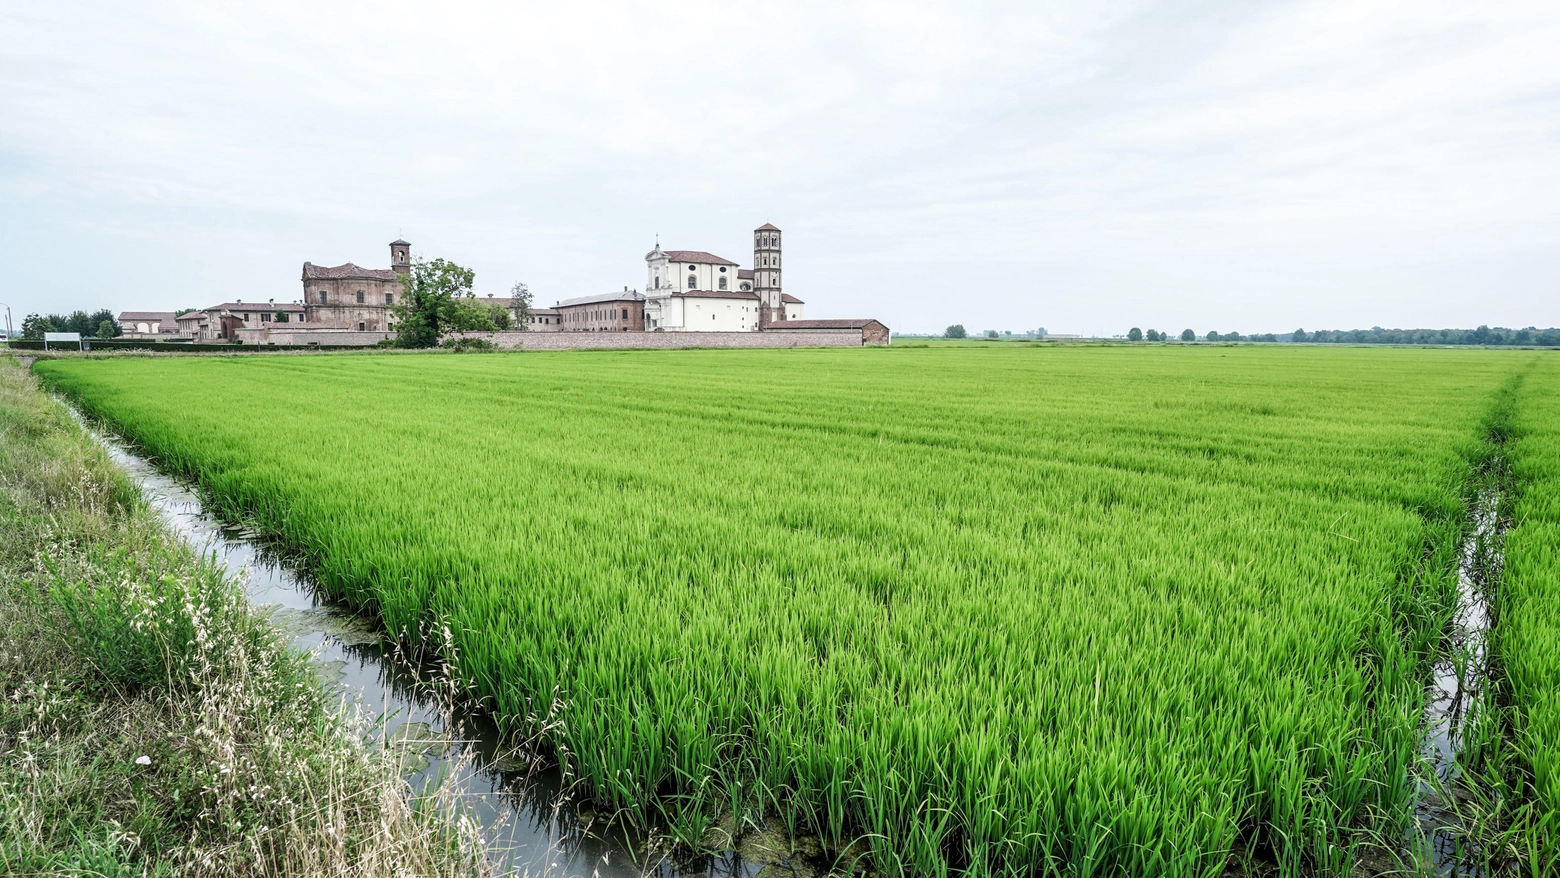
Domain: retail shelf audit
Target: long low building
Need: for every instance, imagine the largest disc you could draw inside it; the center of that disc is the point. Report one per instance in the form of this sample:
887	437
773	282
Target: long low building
872	332
149	325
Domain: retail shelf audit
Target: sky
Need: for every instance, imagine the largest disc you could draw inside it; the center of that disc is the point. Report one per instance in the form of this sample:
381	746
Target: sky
1084	167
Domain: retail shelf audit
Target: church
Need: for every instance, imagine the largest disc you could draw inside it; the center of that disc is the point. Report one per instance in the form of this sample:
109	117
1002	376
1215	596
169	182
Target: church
695	291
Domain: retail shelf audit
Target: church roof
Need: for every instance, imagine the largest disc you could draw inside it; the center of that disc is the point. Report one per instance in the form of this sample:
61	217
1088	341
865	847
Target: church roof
744	274
347	271
400	243
767	227
790	299
715	294
698	256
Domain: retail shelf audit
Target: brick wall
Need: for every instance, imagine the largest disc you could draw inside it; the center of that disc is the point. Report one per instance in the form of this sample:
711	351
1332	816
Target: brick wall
562	341
277	335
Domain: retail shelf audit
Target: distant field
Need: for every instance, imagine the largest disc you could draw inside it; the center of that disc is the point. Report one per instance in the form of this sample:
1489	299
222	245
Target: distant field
1001	608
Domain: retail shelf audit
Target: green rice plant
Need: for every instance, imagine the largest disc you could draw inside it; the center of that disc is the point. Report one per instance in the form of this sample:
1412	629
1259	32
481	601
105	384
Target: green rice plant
1529	606
990	610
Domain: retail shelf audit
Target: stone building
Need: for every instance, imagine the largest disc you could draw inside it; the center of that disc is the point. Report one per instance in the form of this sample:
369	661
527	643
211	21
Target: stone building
225	321
359	298
695	291
608	312
148	324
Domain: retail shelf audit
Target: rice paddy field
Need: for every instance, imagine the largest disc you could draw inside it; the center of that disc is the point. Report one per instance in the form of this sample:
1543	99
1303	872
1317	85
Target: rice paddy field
1017	610
1530	609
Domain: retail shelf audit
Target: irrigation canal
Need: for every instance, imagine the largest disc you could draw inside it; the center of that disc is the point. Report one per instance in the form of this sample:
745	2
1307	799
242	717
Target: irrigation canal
531	827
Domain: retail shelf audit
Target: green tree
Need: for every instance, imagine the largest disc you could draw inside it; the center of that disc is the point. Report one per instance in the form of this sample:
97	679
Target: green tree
955	331
520	305
992	333
468	314
428	302
1299	335
105	329
1188	335
1213	336
35	325
1134	334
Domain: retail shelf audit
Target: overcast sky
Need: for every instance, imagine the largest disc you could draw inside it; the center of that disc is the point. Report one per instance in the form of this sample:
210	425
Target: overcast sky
1084	166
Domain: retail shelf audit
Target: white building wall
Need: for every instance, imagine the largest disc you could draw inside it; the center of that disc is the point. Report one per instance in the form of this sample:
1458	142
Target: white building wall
717	315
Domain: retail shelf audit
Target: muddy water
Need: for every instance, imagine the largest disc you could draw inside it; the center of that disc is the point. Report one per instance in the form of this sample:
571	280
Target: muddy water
1459	683
530	826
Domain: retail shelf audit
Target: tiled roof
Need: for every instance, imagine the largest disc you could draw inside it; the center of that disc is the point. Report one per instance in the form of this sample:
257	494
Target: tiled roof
715	294
744	274
819	324
545	312
318	324
399	242
146	317
197	316
624	296
256	306
347	271
790	299
766	227
698	256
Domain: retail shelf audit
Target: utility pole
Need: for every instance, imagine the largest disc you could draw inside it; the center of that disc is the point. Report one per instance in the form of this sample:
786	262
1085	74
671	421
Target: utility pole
8	331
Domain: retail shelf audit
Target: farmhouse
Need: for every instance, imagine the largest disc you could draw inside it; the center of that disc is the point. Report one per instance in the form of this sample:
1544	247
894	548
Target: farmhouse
148	324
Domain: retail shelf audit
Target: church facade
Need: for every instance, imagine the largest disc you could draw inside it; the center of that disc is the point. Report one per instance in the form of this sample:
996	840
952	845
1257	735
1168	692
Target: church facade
351	297
696	291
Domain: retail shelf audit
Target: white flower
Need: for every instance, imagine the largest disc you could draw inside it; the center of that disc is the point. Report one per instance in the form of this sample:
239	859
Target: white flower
143	760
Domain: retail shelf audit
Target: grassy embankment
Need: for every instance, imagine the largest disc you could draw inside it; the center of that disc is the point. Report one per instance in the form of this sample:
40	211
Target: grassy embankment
151	724
1004	609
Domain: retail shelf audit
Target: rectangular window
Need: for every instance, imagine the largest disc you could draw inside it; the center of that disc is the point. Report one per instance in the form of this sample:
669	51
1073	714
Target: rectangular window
360	297
324	297
360	326
389	298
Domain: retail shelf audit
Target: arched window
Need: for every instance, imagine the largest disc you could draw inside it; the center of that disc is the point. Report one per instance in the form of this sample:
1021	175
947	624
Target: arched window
723	283
693	282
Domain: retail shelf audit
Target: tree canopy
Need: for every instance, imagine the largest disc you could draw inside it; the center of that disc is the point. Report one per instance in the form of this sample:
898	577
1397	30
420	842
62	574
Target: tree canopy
436	297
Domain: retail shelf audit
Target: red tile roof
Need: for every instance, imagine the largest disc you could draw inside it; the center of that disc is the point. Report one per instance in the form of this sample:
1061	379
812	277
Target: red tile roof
766	227
715	294
820	324
347	271
256	306
790	299
698	256
744	274
146	317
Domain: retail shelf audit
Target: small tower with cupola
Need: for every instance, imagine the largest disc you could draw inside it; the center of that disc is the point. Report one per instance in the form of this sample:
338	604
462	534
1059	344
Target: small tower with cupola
766	274
400	257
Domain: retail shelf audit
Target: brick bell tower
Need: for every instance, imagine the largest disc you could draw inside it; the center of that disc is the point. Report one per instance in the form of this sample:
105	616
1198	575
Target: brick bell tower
766	275
400	257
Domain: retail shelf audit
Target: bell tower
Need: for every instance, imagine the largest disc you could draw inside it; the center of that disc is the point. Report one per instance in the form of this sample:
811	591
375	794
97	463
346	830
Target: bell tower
766	275
400	257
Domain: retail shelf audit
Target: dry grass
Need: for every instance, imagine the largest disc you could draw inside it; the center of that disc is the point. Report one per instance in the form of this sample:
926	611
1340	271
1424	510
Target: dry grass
151	723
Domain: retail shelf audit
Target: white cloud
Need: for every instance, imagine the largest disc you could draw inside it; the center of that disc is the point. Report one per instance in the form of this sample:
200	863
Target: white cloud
1075	165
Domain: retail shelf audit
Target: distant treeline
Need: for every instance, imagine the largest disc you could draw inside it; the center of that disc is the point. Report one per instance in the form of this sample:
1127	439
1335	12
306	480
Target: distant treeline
100	324
1484	335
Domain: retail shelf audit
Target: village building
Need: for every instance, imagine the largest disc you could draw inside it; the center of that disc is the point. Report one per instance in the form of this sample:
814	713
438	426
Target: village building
148	324
359	298
223	322
695	291
606	312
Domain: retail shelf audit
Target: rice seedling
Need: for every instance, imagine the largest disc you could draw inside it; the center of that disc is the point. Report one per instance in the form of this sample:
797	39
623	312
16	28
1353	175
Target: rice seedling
1000	611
